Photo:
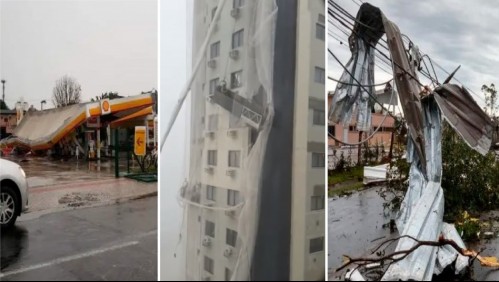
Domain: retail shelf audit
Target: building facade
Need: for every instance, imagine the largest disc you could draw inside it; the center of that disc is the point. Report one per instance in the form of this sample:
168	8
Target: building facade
349	134
8	122
237	155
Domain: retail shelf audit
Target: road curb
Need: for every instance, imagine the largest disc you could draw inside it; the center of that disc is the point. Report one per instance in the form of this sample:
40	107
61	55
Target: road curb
37	214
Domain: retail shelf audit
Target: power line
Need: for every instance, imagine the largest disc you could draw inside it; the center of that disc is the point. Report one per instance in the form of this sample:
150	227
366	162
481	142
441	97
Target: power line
355	84
358	82
348	15
427	75
332	13
376	55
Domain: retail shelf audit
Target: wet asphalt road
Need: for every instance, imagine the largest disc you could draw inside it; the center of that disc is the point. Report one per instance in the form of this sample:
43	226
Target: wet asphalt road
354	223
356	226
117	242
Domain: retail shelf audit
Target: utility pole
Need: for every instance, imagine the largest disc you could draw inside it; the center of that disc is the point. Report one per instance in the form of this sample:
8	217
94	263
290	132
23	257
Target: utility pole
3	91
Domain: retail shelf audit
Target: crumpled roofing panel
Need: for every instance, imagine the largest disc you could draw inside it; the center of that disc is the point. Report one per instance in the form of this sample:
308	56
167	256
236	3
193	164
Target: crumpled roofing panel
360	68
43	129
421	213
408	88
465	116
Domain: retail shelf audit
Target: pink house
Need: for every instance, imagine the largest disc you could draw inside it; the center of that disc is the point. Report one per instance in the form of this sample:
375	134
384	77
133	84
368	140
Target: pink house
351	135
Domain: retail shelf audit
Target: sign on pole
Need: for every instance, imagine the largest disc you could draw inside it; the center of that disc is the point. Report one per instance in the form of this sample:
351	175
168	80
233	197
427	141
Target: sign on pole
140	141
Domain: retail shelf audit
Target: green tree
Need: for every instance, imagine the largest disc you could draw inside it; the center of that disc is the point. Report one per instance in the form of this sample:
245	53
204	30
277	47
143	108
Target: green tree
3	105
470	180
107	95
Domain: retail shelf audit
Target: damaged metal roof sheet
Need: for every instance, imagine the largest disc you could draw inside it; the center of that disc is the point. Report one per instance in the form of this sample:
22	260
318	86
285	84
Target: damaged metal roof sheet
421	213
465	116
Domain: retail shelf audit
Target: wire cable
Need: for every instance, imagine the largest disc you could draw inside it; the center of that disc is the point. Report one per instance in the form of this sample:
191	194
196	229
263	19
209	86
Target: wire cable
355	84
375	131
358	82
427	75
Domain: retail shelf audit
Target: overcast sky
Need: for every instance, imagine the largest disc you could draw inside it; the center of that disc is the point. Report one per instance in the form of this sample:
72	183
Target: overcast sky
452	33
107	45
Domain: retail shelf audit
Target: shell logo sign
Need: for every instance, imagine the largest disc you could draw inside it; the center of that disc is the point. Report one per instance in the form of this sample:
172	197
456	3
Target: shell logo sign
105	107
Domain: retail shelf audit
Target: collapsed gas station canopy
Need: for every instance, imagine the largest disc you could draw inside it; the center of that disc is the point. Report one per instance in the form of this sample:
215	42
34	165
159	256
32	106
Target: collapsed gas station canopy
40	130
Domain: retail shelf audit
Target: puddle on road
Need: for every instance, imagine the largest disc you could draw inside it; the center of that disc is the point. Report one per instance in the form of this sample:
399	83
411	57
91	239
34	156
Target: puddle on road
41	171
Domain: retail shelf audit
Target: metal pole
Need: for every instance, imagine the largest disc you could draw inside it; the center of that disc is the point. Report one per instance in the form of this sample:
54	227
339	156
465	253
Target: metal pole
128	153
97	132
199	60
3	91
116	154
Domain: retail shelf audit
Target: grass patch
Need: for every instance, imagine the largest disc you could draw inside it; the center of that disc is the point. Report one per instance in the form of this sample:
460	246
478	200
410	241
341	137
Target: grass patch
354	173
345	190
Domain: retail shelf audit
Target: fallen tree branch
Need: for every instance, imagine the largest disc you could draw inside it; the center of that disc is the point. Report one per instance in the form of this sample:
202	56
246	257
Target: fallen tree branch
400	255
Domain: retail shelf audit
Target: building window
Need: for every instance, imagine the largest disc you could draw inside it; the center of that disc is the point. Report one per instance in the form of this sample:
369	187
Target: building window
319	117
231	237
213	85
316	245
317	200
331	130
236	79
320	32
212	157
215	50
319	75
234	158
317	203
321	19
318	160
228	274
208	265
212	122
210	192
209	229
238	39
232	197
237	3
352	128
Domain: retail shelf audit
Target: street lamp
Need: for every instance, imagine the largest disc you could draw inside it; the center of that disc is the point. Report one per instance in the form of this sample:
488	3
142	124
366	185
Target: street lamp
41	104
3	90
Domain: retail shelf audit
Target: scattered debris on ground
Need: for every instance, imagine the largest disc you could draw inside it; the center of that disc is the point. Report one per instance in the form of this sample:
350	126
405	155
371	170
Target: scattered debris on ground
77	199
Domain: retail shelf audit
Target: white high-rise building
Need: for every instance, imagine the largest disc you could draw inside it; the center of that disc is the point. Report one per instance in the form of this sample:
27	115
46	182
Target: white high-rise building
256	191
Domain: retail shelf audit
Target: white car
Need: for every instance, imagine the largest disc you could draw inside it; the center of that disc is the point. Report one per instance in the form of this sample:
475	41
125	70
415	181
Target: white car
13	192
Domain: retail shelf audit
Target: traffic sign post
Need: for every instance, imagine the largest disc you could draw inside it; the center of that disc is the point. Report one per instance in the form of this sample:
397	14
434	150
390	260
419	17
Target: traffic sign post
140	141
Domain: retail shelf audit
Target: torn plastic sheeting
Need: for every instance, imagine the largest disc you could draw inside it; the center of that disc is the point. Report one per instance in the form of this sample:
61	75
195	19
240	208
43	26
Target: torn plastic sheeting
231	131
